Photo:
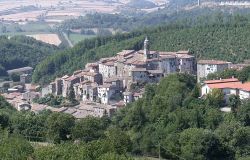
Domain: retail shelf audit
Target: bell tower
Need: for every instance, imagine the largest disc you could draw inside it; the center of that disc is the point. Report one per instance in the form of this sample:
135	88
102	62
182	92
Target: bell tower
146	48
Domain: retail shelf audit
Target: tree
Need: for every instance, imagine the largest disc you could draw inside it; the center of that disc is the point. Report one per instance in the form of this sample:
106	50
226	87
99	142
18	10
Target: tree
241	141
59	126
65	151
243	113
202	144
114	156
215	98
234	102
103	32
196	91
29	125
4	29
4	120
15	147
212	118
89	129
15	77
118	141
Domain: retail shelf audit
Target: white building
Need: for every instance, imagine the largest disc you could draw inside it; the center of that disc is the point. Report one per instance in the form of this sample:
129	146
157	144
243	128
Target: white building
105	92
205	67
128	97
229	87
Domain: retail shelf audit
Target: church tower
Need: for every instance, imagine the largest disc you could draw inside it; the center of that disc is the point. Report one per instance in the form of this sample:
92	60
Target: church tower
146	48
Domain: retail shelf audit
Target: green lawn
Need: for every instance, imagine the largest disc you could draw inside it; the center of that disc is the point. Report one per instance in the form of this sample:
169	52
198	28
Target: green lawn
75	38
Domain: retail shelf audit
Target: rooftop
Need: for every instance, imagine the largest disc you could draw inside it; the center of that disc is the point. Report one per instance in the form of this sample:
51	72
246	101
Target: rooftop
221	81
184	56
71	78
232	83
213	62
64	77
19	70
125	52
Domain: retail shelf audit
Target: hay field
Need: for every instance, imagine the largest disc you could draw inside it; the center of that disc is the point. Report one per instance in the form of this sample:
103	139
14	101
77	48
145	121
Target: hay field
47	38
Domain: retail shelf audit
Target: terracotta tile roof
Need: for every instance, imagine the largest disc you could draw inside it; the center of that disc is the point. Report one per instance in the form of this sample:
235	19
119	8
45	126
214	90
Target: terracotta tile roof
125	52
232	83
213	62
222	81
245	86
138	63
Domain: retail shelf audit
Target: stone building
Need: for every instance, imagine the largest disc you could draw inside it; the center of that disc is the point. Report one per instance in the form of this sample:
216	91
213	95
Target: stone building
107	67
68	83
205	67
186	62
23	70
105	92
25	78
86	91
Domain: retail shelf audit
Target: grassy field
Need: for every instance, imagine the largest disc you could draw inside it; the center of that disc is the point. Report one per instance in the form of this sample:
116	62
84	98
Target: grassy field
36	27
75	38
11	34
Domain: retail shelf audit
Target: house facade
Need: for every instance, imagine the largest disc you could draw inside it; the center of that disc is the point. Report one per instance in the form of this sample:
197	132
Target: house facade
231	86
205	67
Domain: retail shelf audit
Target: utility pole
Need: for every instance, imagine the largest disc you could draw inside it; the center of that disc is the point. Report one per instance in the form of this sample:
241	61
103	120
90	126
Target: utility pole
199	3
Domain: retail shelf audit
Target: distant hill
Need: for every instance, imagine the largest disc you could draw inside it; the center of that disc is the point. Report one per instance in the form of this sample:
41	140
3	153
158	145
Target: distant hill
22	51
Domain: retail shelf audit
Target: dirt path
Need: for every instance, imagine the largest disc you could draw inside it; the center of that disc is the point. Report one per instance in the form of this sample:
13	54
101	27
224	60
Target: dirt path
68	40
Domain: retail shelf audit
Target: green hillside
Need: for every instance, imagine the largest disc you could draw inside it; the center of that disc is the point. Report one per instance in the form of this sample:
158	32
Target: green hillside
229	40
22	51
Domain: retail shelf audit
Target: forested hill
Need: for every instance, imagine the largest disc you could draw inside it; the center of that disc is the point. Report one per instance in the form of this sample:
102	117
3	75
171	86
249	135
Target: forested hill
228	40
22	51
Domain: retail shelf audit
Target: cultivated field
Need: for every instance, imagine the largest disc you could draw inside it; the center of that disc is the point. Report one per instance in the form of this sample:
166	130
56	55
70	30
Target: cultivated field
47	38
23	16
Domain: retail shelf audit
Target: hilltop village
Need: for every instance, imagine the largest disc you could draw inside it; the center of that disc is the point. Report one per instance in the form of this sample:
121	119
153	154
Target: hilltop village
109	84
